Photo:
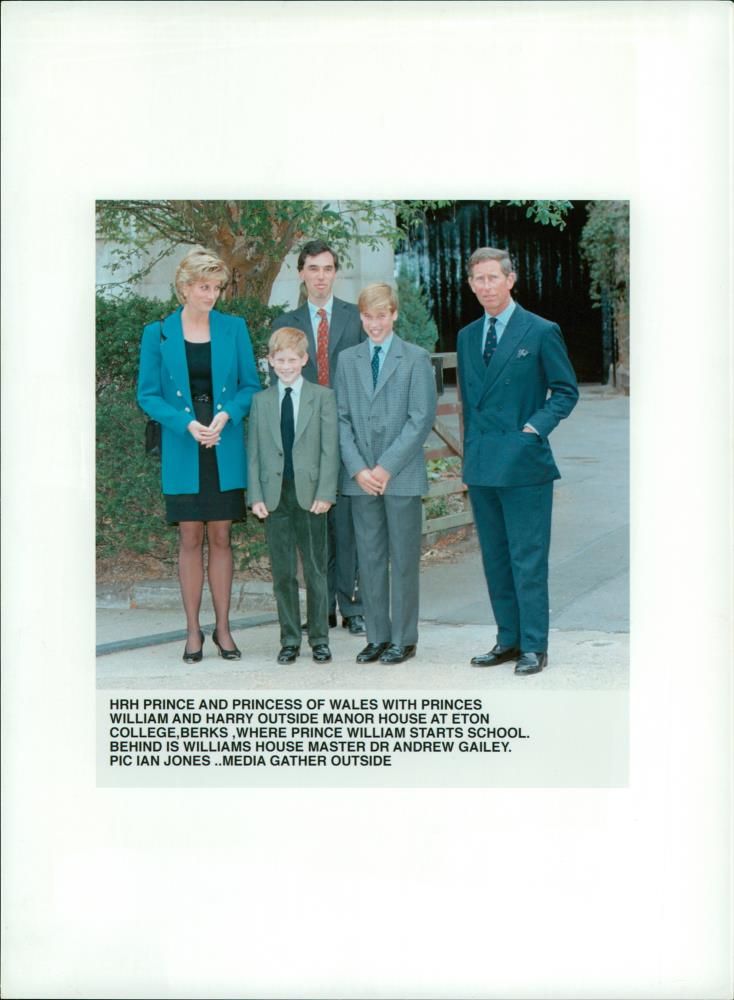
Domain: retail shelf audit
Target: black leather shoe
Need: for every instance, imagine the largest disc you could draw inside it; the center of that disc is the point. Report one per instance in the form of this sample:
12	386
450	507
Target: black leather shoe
531	663
288	654
194	657
332	619
397	654
226	654
321	653
498	654
355	624
372	651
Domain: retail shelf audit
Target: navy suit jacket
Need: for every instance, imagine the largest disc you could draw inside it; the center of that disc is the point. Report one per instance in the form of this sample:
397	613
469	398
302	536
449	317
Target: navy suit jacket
164	394
345	330
513	390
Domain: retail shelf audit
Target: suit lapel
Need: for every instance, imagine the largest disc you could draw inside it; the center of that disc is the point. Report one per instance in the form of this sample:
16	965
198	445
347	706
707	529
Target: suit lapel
475	347
302	319
272	414
173	352
390	363
511	339
305	408
364	368
338	324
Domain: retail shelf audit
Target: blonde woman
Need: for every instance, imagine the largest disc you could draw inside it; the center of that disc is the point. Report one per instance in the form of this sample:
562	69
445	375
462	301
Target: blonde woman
197	379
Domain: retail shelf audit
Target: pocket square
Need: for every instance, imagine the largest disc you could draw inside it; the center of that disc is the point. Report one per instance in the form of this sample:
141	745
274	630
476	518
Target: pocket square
522	353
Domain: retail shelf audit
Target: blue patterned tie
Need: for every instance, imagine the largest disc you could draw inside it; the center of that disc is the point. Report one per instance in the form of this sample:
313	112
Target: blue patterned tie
490	344
375	365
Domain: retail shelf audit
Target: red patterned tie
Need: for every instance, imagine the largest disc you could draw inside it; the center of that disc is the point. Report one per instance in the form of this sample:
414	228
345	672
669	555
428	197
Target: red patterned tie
322	349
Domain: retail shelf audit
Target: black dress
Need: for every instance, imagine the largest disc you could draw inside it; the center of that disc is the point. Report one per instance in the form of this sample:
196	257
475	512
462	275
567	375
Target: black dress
210	503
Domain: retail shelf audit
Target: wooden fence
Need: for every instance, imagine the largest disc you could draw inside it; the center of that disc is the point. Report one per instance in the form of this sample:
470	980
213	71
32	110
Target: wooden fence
452	447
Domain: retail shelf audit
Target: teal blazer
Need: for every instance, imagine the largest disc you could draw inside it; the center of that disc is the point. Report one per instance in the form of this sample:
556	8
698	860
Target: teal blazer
165	395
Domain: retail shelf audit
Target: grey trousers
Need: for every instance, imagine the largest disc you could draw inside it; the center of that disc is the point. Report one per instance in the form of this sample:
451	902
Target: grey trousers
290	528
388	532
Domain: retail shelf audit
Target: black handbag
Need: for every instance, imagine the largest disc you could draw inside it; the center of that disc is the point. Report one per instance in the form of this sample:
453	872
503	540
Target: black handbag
153	438
152	427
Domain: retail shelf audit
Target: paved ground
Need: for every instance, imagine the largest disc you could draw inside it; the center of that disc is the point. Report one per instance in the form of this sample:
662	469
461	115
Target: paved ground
589	643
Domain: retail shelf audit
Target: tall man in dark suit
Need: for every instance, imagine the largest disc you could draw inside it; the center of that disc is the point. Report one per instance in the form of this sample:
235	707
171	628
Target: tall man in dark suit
516	384
330	325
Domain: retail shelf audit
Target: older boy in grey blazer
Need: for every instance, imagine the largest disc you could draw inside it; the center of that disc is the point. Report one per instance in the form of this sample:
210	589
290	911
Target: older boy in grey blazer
386	402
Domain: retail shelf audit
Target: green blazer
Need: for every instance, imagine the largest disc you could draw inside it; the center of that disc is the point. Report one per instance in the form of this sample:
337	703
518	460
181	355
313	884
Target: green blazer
316	459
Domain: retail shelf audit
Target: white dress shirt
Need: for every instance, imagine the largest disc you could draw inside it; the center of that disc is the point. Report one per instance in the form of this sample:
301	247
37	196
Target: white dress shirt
295	397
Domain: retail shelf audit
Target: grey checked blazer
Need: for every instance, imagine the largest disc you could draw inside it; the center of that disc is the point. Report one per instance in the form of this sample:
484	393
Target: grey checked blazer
386	426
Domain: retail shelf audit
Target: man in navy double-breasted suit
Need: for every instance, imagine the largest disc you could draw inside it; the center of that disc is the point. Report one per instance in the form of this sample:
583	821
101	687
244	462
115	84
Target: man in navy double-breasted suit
516	384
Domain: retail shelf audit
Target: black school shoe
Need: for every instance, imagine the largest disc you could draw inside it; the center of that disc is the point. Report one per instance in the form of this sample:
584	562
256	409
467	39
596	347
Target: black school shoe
397	654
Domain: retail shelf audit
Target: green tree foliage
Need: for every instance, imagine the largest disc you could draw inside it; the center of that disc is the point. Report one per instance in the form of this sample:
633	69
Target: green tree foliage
605	246
120	324
547	213
415	322
130	509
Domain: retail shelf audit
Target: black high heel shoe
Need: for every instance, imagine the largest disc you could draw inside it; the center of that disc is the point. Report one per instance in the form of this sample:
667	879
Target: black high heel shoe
226	654
197	656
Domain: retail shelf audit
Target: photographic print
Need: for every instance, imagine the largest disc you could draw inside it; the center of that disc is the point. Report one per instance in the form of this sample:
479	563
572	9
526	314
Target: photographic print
397	603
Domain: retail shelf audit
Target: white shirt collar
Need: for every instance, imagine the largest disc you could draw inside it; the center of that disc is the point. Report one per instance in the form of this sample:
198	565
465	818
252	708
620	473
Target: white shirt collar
328	306
296	387
385	345
502	318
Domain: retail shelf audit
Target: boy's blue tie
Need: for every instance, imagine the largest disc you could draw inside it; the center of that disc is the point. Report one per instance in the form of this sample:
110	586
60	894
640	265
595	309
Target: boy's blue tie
375	365
490	344
287	433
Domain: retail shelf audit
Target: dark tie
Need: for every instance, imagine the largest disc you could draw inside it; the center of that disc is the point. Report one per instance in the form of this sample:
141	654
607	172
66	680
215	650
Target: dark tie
490	344
375	365
322	348
287	433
